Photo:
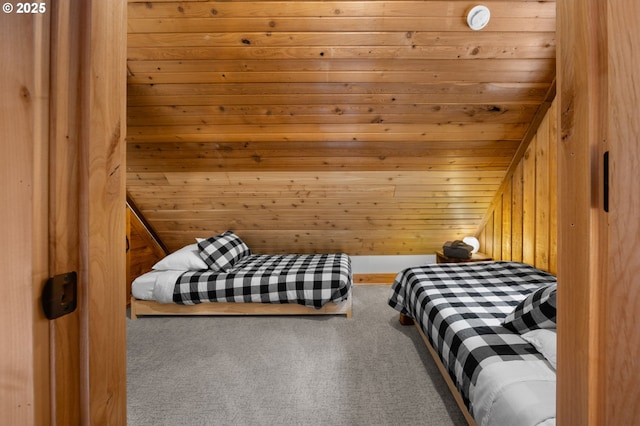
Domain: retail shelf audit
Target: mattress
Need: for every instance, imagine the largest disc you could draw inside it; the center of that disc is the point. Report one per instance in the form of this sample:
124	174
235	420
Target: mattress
309	280
501	378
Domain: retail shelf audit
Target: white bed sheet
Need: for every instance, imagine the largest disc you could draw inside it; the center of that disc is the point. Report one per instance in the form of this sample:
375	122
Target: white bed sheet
515	392
155	285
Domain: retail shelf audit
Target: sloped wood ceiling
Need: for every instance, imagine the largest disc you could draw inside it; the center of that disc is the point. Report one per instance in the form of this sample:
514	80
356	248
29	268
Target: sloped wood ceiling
366	126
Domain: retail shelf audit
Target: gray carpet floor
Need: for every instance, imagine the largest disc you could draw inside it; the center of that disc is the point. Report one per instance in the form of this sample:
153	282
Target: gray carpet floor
368	370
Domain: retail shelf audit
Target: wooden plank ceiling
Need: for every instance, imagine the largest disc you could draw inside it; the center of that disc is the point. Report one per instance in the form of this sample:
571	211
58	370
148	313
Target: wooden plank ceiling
363	126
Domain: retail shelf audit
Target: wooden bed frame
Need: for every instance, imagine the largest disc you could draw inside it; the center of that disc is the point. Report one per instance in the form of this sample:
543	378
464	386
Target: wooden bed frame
148	307
407	320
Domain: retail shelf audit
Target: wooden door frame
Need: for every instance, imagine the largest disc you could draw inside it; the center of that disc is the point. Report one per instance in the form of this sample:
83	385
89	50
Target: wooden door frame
598	264
24	332
582	99
102	206
63	152
618	325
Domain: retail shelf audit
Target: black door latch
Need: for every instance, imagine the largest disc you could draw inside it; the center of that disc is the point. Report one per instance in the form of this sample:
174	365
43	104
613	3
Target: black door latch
60	295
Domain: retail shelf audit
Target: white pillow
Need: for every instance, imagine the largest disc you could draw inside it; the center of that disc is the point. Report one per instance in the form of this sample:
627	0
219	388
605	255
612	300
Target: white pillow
545	341
185	259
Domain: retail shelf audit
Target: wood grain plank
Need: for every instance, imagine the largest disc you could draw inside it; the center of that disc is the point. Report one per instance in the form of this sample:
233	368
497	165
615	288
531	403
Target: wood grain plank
620	374
333	9
324	114
492	44
533	90
414	128
227	179
376	279
543	191
455	74
329	52
313	223
292	24
102	195
320	94
303	241
529	204
500	43
168	203
25	359
282	61
488	245
326	163
64	212
517	210
140	151
507	230
582	78
148	307
497	232
553	188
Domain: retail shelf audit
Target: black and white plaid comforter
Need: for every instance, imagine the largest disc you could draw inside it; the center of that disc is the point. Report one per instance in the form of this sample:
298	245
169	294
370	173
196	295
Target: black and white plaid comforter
310	280
460	308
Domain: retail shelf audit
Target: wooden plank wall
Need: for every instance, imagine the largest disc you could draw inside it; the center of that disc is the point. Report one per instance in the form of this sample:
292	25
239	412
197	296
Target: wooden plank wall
143	251
521	224
370	127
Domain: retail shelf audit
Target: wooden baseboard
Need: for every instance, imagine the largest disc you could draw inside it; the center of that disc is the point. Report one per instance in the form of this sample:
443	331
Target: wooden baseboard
445	375
374	279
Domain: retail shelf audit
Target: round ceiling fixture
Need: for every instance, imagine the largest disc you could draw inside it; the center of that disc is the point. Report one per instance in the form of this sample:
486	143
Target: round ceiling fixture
478	17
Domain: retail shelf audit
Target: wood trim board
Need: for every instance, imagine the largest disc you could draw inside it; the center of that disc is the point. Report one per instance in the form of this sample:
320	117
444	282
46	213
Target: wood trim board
374	279
406	320
148	307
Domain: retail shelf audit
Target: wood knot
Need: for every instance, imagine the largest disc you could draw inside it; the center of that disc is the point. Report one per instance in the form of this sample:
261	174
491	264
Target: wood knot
25	93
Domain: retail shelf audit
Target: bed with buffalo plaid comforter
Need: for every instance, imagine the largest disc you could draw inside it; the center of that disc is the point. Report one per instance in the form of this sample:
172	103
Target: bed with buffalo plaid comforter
309	280
460	308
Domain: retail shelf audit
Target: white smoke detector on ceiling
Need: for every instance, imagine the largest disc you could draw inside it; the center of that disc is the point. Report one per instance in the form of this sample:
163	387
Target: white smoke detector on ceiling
478	17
